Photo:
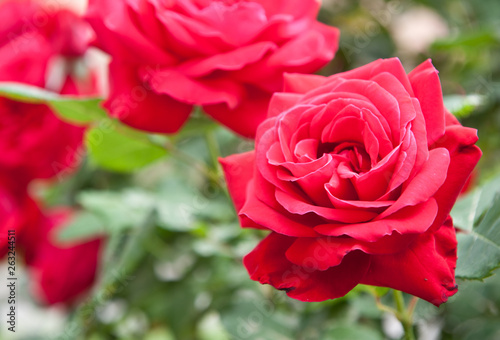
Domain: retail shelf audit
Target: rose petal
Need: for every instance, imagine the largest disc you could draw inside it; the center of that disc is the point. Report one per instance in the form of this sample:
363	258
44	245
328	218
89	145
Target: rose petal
302	83
295	205
151	28
367	72
373	184
232	60
240	23
464	155
425	184
46	259
410	220
309	50
136	105
306	150
238	170
186	36
268	265
356	204
261	214
296	9
196	91
281	102
20	64
385	101
310	177
427	88
425	270
326	252
391	84
107	16
247	116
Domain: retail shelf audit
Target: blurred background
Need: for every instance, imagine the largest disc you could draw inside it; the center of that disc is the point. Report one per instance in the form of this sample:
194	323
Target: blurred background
182	278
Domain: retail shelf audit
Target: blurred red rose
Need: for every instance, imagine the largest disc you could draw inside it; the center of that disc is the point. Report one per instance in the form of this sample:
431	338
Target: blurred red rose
43	47
60	272
36	38
17	211
34	142
355	176
227	56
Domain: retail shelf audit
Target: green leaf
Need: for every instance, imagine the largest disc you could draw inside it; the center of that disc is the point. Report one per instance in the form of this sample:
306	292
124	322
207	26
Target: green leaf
75	110
84	225
479	250
198	124
26	93
117	148
180	205
469	41
118	211
78	111
470	208
463	106
177	204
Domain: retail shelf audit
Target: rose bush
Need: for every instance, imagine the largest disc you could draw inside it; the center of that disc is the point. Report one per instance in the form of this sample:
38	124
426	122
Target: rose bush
227	56
355	176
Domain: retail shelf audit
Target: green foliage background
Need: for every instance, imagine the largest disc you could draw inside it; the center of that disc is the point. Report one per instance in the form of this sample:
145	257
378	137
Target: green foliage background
172	265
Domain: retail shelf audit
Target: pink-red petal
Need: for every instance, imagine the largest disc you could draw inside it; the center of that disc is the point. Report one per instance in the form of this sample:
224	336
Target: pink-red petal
134	103
410	220
427	88
268	264
238	170
426	269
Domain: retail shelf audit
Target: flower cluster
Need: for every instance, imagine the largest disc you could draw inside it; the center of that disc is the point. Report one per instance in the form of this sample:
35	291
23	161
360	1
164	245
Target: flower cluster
353	175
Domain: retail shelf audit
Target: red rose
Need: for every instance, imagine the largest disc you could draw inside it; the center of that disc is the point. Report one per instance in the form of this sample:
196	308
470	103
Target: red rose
227	56
355	176
36	38
34	143
17	211
42	46
61	272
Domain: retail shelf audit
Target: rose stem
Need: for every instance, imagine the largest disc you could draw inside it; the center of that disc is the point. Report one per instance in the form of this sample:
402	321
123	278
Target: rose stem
403	315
